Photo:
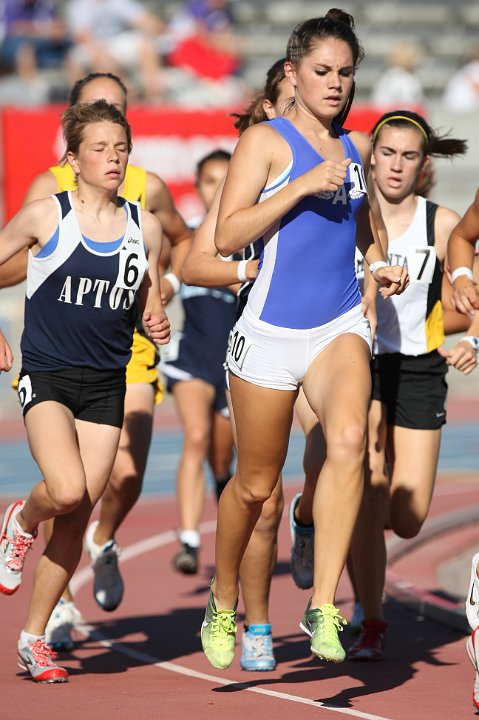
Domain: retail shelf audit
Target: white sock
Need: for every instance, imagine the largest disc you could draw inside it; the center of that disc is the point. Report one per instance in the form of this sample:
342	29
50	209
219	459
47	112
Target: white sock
19	528
190	537
28	638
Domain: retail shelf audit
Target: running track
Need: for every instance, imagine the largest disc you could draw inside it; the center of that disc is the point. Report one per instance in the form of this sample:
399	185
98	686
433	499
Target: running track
144	660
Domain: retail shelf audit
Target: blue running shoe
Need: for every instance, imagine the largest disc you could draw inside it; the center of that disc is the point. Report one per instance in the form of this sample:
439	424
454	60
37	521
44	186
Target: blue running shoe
257	648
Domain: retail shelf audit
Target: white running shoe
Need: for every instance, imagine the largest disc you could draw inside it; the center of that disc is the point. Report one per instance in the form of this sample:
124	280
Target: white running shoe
108	584
58	632
472	648
472	600
302	550
14	545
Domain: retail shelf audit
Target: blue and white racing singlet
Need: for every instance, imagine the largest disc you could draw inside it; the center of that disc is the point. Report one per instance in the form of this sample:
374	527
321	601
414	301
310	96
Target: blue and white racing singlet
307	273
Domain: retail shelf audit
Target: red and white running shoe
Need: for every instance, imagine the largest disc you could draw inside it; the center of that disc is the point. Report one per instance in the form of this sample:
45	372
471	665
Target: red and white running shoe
472	600
14	545
37	659
472	647
370	643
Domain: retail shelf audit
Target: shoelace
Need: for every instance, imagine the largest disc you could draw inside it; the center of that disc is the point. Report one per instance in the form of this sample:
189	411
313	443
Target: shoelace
303	553
42	653
259	645
332	624
222	626
20	545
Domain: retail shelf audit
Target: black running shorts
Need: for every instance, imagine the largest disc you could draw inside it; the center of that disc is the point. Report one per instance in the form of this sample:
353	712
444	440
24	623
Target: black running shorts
96	396
413	389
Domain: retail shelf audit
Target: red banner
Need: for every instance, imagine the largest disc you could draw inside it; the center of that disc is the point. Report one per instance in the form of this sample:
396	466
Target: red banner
167	141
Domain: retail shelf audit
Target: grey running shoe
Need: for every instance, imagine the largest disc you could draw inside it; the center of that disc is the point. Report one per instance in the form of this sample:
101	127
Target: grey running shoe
186	560
302	550
108	584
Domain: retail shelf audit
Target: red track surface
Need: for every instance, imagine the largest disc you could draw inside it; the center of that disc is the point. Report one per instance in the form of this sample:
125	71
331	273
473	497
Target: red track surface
145	661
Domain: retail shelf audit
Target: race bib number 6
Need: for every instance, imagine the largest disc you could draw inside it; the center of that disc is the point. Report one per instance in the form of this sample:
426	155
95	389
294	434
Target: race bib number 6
237	349
130	270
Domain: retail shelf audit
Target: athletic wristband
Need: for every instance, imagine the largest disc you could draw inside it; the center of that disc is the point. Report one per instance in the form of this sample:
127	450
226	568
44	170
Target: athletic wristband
377	266
174	282
472	340
241	270
461	271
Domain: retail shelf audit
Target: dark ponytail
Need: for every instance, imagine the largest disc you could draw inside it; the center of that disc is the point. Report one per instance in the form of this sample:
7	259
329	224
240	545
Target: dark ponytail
255	113
433	144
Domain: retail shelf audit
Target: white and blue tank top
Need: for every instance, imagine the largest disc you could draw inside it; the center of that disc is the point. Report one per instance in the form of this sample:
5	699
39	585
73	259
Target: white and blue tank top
81	298
307	276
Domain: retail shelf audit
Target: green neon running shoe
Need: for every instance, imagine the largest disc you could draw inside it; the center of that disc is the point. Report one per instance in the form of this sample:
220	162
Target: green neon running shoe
218	634
323	626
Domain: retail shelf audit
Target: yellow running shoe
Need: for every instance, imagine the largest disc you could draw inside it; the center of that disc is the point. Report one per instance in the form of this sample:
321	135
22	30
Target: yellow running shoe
218	634
322	625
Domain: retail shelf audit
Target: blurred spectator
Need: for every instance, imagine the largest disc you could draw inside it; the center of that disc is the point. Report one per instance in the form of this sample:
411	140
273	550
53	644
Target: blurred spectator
34	37
462	90
116	36
205	51
399	84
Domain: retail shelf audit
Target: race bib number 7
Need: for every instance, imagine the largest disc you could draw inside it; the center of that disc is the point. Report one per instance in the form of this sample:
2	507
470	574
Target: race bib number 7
421	262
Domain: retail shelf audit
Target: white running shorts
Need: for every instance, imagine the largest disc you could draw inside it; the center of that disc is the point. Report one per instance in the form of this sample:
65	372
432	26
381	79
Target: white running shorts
278	358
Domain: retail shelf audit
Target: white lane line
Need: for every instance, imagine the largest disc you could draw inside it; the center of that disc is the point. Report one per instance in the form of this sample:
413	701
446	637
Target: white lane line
143	546
89	632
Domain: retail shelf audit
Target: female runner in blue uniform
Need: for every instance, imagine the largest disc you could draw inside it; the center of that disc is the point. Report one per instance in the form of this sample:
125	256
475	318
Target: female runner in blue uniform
203	267
304	327
93	267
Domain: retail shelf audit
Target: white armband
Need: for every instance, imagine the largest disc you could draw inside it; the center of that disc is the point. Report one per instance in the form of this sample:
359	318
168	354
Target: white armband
472	340
377	266
174	282
241	270
461	271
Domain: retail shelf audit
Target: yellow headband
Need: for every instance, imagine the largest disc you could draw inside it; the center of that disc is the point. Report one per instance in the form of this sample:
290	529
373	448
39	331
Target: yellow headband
399	117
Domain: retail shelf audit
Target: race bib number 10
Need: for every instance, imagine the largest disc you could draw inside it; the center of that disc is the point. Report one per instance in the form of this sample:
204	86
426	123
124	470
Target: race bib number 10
238	348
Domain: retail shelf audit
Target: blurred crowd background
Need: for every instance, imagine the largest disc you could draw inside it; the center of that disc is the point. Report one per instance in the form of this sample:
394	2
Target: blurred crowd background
215	53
